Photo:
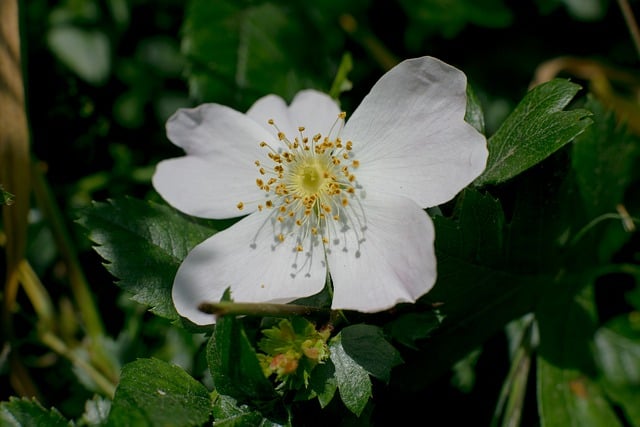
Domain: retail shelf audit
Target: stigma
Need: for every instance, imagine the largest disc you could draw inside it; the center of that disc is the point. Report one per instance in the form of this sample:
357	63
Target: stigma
310	188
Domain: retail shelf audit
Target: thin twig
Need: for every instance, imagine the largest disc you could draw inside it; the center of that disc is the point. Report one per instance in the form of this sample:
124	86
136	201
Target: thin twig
224	308
630	19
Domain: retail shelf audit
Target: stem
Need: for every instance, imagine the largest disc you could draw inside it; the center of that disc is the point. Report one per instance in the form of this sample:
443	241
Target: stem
626	220
341	81
515	385
79	284
57	345
224	308
631	22
371	43
37	294
14	176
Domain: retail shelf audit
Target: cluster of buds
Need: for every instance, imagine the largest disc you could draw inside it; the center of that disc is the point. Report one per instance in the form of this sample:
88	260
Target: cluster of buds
292	349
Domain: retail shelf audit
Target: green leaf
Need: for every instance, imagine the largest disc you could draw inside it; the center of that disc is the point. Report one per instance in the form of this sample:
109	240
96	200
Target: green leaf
536	128
341	82
86	52
448	18
237	49
474	115
618	357
367	345
143	244
603	158
6	198
26	413
227	413
234	364
323	382
154	393
476	232
476	294
546	211
567	395
409	328
352	379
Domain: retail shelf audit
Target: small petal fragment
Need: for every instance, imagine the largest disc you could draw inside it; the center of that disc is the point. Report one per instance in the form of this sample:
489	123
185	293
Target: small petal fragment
395	263
247	258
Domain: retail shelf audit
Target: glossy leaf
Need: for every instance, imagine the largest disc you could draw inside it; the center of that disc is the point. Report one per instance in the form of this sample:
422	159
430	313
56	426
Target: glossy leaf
409	328
24	412
353	381
367	345
474	114
536	128
234	364
143	244
154	393
603	158
244	48
228	413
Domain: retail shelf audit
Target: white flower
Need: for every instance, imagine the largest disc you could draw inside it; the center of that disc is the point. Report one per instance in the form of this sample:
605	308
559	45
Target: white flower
320	193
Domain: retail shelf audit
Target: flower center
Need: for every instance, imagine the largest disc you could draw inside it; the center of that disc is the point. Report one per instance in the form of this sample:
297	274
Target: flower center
310	189
310	178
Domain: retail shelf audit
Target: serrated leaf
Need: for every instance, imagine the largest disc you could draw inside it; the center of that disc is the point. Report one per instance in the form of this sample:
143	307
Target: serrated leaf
354	384
603	158
323	382
143	244
367	345
25	412
227	413
154	393
536	128
474	115
234	364
476	231
476	293
567	395
235	48
448	18
409	328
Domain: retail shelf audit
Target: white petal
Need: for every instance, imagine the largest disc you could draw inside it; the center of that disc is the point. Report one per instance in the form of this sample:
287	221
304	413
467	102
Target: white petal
208	187
314	110
410	135
219	171
395	263
272	107
247	258
217	129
